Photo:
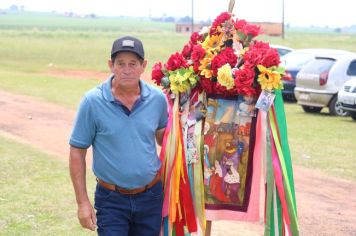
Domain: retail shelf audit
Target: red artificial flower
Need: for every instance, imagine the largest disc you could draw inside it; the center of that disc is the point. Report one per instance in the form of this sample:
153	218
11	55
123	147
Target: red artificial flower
196	66
252	30
227	55
198	53
195	38
248	91
246	28
223	92
271	58
157	73
240	25
244	77
244	81
218	21
254	56
260	53
207	85
187	50
176	61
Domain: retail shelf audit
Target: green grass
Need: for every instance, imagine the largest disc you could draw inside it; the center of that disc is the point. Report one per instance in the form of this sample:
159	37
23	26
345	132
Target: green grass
34	51
52	21
321	141
316	40
36	196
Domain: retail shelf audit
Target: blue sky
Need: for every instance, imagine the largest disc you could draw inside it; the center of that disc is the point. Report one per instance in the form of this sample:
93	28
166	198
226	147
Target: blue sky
297	12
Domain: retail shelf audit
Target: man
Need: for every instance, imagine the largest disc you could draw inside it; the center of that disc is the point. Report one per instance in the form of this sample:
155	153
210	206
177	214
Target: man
120	119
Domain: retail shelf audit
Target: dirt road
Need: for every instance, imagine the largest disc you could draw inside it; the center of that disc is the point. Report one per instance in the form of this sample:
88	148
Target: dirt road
326	205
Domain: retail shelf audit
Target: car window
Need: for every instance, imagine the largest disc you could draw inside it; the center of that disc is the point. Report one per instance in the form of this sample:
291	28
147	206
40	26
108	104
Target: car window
282	51
352	68
318	65
296	59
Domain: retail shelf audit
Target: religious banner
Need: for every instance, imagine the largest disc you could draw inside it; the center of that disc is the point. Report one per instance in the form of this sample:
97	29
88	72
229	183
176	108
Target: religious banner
226	137
228	152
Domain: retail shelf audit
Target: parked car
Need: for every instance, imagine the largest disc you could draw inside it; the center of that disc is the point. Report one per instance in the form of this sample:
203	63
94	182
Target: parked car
319	81
293	62
282	50
347	96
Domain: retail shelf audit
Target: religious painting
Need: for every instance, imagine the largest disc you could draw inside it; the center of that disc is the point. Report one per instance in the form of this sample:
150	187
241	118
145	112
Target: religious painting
228	152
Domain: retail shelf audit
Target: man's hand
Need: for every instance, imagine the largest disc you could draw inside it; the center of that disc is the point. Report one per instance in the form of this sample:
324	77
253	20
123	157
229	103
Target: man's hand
86	216
77	167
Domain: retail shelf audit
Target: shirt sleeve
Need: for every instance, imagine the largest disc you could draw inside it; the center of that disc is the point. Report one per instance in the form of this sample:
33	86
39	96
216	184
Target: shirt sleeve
84	128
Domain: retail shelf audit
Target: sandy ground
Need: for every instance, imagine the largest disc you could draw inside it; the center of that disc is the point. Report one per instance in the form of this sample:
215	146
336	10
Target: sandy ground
326	205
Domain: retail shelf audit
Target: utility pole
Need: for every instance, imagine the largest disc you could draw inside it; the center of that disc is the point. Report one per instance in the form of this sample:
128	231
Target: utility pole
282	19
192	16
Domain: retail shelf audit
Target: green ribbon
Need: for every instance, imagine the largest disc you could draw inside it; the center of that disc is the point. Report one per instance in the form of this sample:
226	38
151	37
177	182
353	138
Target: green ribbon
285	160
269	225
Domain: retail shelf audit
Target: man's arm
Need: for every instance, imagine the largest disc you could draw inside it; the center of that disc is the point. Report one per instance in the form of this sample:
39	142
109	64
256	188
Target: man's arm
77	167
159	136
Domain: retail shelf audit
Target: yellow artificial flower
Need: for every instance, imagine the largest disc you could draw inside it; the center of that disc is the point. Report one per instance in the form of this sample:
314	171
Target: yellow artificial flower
178	82
269	78
225	77
205	66
212	43
191	76
183	79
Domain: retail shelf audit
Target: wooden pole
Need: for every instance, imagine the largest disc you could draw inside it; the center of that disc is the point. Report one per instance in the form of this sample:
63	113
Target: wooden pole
208	228
231	6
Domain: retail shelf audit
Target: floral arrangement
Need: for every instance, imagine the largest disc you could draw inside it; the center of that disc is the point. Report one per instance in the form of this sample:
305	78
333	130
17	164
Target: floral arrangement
223	59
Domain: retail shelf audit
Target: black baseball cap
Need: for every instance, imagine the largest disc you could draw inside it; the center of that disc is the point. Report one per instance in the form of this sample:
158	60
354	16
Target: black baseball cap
128	44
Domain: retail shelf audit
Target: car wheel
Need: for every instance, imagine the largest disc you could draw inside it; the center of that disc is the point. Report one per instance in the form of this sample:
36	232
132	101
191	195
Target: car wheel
353	115
310	109
335	108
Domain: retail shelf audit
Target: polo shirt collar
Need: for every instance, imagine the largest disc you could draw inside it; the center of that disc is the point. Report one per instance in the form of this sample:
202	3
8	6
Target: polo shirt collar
108	96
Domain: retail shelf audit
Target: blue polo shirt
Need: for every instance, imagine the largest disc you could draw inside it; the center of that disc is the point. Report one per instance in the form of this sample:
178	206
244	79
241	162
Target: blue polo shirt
124	146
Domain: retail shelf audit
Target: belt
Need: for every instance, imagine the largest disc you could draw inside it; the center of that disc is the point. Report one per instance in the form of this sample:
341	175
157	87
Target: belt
116	188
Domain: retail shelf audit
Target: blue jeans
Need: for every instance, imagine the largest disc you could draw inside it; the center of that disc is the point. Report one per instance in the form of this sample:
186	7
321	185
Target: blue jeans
122	215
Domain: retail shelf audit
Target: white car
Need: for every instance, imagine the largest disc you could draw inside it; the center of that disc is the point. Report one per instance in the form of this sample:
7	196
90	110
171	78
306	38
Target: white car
347	97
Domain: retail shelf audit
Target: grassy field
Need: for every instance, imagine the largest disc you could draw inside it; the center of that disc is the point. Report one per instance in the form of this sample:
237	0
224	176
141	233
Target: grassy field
37	198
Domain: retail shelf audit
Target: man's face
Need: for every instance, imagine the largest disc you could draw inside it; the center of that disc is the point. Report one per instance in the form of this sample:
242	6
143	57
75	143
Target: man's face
127	68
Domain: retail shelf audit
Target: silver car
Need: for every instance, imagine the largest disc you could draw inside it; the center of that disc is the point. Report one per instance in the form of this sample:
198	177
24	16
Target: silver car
347	97
293	62
319	81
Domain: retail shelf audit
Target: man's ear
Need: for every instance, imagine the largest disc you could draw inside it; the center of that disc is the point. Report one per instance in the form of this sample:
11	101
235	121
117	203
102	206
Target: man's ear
144	64
111	65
